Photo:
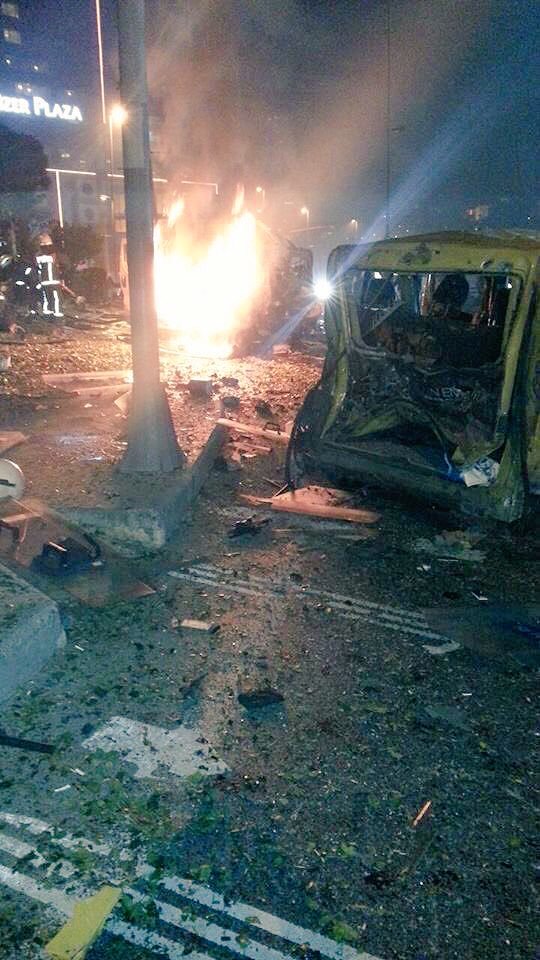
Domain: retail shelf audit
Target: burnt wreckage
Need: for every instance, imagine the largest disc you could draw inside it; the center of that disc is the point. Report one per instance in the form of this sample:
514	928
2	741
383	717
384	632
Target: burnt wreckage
431	380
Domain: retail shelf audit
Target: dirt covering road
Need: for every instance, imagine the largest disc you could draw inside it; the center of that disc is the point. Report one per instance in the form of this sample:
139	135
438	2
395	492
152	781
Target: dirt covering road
326	692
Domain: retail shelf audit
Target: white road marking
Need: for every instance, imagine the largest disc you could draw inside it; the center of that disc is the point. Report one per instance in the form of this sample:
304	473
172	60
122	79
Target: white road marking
152	941
179	750
20	849
287	585
68	841
211	932
242	943
50	896
262	920
64	905
393	618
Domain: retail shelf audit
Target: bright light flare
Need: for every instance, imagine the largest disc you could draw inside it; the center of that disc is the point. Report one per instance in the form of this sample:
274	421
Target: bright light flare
118	114
322	288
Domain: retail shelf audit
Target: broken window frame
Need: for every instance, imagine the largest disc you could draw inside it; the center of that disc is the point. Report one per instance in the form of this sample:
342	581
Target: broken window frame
357	344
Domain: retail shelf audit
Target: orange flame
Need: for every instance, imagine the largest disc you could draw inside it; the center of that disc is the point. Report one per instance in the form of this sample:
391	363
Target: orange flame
206	294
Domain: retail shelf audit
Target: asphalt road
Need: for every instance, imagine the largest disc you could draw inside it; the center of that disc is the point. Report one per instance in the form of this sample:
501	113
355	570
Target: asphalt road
316	779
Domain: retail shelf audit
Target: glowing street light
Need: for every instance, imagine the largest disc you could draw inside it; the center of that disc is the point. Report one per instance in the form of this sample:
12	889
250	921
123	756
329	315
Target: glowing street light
262	198
305	213
118	115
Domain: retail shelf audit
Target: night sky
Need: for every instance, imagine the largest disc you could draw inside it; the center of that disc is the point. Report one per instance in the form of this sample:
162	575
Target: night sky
307	81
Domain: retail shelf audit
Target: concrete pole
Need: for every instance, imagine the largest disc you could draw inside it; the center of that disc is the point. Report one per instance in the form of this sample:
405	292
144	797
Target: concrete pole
152	444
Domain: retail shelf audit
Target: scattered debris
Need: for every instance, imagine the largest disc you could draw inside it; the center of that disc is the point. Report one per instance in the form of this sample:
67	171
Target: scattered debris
230	402
257	699
423	812
315	502
21	744
439	651
482	473
182	751
67	556
123	403
250	526
96	581
253	430
201	389
67	786
263	408
454	544
280	487
11	438
450	716
281	349
230	381
12	481
495	631
80	932
5	359
203	625
54	379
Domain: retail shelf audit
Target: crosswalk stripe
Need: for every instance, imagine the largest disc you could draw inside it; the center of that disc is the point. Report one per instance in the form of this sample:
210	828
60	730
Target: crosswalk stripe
68	841
19	850
151	941
50	896
211	932
345	610
223	937
64	905
262	920
286	585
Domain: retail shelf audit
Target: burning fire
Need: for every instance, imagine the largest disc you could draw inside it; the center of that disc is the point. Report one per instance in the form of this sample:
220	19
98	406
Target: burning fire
205	291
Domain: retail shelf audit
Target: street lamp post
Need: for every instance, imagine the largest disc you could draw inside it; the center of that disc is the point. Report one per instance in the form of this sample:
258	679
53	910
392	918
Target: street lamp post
101	167
117	116
152	444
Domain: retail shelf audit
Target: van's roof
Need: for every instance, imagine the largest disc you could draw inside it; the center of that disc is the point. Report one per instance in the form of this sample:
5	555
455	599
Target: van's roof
516	239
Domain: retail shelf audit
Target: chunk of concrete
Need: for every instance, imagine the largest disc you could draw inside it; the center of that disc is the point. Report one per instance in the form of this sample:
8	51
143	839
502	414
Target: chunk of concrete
30	631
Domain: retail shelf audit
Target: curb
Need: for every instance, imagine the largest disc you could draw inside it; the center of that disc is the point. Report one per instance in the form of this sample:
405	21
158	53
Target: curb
30	631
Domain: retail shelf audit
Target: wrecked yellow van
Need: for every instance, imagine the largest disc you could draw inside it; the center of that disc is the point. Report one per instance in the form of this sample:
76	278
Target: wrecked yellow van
431	381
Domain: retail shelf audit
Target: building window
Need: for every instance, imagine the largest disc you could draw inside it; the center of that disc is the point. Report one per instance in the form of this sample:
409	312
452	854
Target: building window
10	10
11	36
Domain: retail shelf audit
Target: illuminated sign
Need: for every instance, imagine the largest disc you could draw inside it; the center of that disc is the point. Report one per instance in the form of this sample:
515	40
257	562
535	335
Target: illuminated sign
38	107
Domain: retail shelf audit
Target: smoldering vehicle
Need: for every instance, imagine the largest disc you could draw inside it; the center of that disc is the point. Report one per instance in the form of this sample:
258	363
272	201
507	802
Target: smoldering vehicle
431	381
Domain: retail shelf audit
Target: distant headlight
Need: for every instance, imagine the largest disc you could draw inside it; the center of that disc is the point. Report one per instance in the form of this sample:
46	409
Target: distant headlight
322	289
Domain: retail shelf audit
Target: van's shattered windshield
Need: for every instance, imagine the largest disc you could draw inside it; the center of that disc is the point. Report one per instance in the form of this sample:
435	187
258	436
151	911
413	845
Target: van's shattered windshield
436	320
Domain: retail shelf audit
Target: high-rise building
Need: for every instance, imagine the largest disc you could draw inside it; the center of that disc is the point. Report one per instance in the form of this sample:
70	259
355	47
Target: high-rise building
47	77
10	36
